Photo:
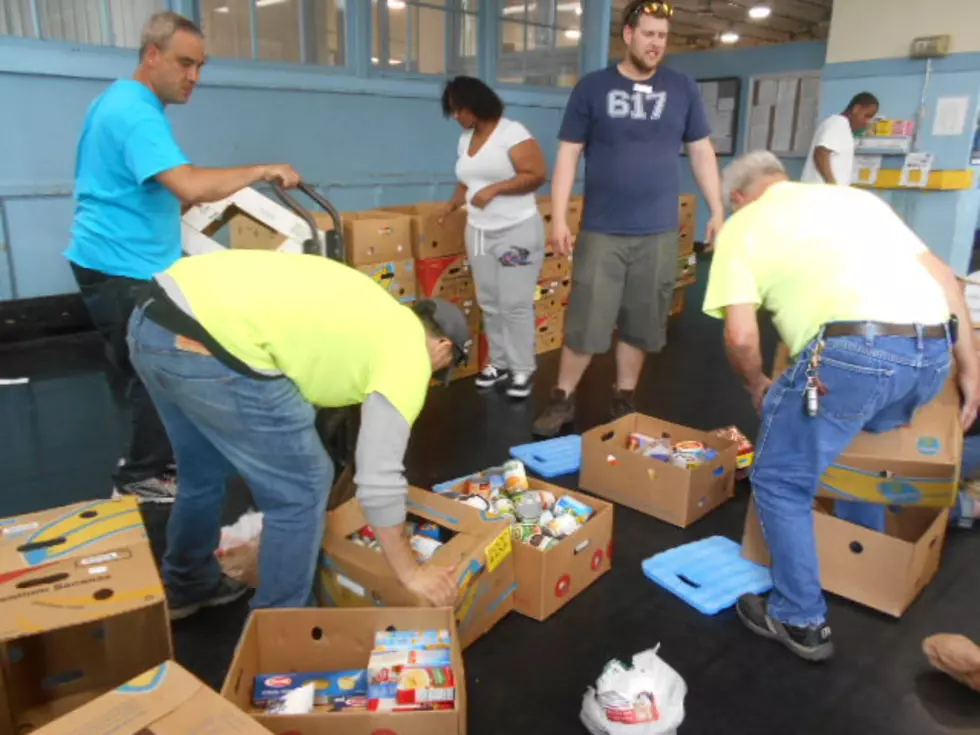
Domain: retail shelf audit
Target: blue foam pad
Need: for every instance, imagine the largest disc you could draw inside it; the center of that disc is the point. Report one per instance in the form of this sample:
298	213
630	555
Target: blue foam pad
710	574
553	457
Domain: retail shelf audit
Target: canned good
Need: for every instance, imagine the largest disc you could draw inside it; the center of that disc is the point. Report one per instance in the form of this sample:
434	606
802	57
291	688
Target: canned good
504	506
524	531
476	501
515	478
685	461
529	508
540	541
564	525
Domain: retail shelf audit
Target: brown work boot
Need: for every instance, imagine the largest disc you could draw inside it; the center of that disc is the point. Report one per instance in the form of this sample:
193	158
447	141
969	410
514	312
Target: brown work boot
559	412
622	404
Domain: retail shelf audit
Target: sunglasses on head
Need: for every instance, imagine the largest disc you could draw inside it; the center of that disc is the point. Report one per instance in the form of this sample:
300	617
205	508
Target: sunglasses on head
659	9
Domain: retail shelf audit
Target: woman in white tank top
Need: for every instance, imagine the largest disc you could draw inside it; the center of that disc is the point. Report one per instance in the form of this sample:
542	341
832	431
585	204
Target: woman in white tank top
499	167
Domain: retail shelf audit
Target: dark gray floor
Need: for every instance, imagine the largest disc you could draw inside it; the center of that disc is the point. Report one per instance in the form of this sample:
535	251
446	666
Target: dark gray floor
59	438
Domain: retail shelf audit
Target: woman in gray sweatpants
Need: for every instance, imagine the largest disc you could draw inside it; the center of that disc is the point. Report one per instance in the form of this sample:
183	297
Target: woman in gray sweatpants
499	167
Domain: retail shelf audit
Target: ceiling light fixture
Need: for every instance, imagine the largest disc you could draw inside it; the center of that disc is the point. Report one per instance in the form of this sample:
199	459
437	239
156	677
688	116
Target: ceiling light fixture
573	34
760	11
396	4
729	37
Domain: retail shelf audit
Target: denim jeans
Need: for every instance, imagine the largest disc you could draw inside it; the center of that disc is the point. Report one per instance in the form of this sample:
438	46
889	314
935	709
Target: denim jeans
222	422
109	301
874	385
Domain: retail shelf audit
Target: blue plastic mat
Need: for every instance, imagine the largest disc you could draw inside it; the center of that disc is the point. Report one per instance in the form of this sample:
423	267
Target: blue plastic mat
710	574
551	458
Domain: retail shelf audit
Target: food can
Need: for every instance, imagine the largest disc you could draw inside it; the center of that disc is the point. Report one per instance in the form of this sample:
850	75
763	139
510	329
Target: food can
529	508
476	501
540	541
523	531
515	478
564	525
685	461
504	506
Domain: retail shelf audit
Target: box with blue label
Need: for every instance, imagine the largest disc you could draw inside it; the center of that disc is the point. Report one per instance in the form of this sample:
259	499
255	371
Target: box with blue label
353	571
917	464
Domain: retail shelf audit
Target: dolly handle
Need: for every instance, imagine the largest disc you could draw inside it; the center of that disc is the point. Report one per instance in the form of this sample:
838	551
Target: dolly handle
334	238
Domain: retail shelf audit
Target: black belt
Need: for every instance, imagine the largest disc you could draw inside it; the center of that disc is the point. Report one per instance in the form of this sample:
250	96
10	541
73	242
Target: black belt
883	329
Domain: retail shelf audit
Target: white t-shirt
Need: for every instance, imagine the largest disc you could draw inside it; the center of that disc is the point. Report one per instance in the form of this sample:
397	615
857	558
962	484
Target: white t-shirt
834	134
491	165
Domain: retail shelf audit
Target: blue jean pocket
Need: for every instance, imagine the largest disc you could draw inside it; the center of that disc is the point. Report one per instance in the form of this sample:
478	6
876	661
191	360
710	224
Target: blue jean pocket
854	384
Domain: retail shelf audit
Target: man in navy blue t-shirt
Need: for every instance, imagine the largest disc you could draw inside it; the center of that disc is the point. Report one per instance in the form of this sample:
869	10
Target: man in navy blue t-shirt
630	120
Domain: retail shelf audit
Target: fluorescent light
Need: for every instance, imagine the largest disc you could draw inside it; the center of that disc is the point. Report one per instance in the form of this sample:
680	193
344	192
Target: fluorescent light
760	11
267	3
729	37
222	9
374	59
573	34
396	4
395	62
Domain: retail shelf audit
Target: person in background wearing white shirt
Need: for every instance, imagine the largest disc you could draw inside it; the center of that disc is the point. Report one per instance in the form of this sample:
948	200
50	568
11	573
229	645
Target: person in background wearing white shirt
499	167
831	157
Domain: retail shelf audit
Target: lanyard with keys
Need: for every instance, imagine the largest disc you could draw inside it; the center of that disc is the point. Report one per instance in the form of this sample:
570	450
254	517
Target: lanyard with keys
814	386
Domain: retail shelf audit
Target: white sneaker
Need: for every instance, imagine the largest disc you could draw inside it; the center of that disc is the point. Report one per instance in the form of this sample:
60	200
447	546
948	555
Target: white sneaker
490	376
152	490
520	385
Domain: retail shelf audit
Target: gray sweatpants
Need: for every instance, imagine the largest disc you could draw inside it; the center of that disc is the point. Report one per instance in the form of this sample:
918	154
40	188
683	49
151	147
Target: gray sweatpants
506	267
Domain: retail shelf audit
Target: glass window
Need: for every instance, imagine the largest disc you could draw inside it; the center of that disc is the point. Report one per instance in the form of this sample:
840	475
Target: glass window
281	32
539	42
425	36
112	23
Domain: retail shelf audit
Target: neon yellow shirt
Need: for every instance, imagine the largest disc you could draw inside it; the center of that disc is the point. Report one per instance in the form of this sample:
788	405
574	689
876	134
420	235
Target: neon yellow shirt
326	326
813	254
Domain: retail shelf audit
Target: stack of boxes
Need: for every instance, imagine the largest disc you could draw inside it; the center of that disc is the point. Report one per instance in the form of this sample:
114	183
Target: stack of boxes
687	262
555	282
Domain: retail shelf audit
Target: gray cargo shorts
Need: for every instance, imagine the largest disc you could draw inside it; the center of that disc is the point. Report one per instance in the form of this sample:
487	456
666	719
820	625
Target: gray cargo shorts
621	281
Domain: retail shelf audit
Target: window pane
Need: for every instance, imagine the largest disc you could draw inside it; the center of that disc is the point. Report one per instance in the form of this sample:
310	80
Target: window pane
227	27
128	17
15	18
514	9
544	50
329	36
422	38
79	21
279	30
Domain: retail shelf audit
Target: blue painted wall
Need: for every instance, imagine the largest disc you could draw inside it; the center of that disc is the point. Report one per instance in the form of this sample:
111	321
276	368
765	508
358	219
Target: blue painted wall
946	221
746	63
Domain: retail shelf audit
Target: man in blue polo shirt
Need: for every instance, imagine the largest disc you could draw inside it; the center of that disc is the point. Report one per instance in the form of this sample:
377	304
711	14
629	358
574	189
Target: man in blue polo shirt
630	120
132	182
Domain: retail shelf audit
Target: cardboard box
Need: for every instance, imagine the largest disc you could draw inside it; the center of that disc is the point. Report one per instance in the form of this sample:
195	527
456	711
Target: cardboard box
430	239
82	609
550	331
397	278
446	278
687	269
549	580
679	302
255	223
918	464
481	551
374	237
553	294
884	571
317	639
166	700
676	495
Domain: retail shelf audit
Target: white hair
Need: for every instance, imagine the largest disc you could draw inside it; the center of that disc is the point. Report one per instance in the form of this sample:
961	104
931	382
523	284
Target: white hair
745	171
160	29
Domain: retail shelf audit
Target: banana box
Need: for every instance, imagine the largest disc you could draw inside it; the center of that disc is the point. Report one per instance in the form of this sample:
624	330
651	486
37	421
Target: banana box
82	529
76	625
165	699
481	551
396	277
917	464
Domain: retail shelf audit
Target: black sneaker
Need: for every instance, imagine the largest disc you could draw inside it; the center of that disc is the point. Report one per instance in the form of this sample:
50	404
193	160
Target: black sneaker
227	591
811	643
559	412
622	404
152	490
490	376
520	386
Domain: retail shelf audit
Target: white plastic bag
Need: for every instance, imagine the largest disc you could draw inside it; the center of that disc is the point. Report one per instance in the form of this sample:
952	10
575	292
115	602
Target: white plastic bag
238	550
647	699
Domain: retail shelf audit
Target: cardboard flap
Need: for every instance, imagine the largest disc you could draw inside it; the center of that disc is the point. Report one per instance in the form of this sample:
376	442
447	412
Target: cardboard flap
75	530
129	709
199	224
65	593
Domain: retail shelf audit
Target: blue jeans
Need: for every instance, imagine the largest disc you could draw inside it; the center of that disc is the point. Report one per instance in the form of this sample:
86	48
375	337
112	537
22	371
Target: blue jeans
221	422
872	385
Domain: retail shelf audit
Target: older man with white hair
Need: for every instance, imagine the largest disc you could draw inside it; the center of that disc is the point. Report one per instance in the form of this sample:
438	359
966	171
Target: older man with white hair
870	317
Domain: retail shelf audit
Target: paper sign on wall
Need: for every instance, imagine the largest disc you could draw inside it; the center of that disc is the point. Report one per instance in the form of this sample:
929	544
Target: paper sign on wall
866	170
916	170
951	114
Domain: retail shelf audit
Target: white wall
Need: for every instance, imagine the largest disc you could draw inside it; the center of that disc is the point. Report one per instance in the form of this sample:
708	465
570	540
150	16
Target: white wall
861	30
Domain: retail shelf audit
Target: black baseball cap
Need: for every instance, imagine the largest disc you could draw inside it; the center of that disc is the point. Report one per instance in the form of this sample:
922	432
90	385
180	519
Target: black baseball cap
452	322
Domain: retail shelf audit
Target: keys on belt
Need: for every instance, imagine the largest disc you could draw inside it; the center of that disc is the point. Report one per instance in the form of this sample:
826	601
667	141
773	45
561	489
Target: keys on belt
814	386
